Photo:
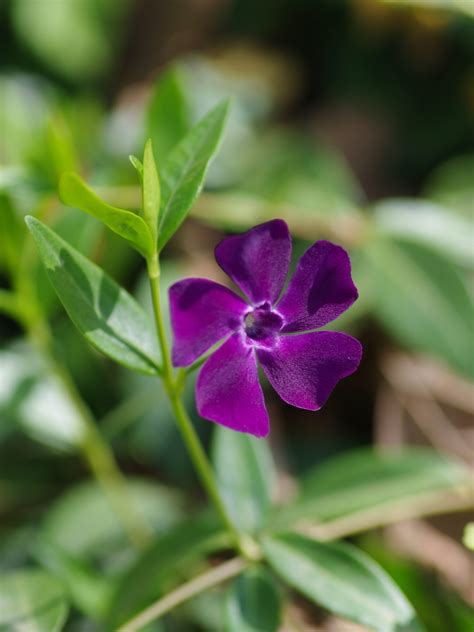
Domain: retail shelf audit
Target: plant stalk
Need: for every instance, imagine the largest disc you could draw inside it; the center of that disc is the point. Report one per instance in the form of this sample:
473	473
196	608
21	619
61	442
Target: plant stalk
209	579
244	544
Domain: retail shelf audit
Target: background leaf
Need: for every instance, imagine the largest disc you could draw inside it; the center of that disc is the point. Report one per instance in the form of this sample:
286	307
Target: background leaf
422	300
31	600
74	192
364	479
245	476
108	317
252	604
167	117
183	173
343	580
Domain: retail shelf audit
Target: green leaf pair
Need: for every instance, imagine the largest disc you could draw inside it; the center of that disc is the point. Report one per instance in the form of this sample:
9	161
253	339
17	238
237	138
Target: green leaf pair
108	317
164	210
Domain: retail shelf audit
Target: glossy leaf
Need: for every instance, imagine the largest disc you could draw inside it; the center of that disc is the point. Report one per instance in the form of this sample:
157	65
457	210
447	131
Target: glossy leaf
138	165
253	603
245	476
151	191
108	317
367	479
183	172
33	600
422	300
74	192
343	580
167	118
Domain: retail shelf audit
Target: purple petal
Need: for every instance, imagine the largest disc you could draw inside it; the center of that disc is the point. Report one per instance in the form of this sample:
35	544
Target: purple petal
228	391
202	313
321	288
257	261
304	368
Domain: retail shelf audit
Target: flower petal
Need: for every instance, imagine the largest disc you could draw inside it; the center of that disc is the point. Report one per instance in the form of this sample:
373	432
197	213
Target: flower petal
321	288
228	391
257	261
304	369
202	313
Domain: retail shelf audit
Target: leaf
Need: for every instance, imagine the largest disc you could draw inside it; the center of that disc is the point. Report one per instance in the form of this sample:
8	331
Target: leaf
245	476
82	523
167	118
422	300
137	164
252	604
108	317
367	479
343	580
184	171
169	557
151	191
31	600
74	192
432	224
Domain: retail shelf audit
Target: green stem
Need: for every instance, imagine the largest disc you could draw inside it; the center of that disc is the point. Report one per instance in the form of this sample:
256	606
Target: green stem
211	578
95	449
243	542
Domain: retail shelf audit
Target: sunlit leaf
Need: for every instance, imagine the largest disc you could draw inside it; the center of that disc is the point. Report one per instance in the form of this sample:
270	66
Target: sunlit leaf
343	580
252	604
151	191
108	317
183	172
245	475
31	600
74	192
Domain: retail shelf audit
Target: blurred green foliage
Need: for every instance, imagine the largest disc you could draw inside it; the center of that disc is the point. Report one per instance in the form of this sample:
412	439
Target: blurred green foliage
364	135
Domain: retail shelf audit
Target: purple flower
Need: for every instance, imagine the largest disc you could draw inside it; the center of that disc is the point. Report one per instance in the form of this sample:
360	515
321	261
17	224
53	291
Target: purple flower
303	366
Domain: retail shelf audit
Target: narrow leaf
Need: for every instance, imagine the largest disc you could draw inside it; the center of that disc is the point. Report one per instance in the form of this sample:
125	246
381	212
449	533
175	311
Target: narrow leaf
184	171
137	164
253	603
108	317
343	580
366	479
74	192
151	191
167	118
31	600
245	476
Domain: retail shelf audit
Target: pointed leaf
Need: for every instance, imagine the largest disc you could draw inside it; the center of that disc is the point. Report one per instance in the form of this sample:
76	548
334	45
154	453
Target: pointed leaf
245	476
252	604
151	191
137	164
108	317
184	171
167	118
74	192
31	600
342	579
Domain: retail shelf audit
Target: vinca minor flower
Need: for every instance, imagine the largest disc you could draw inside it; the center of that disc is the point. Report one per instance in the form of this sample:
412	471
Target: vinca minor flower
273	329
